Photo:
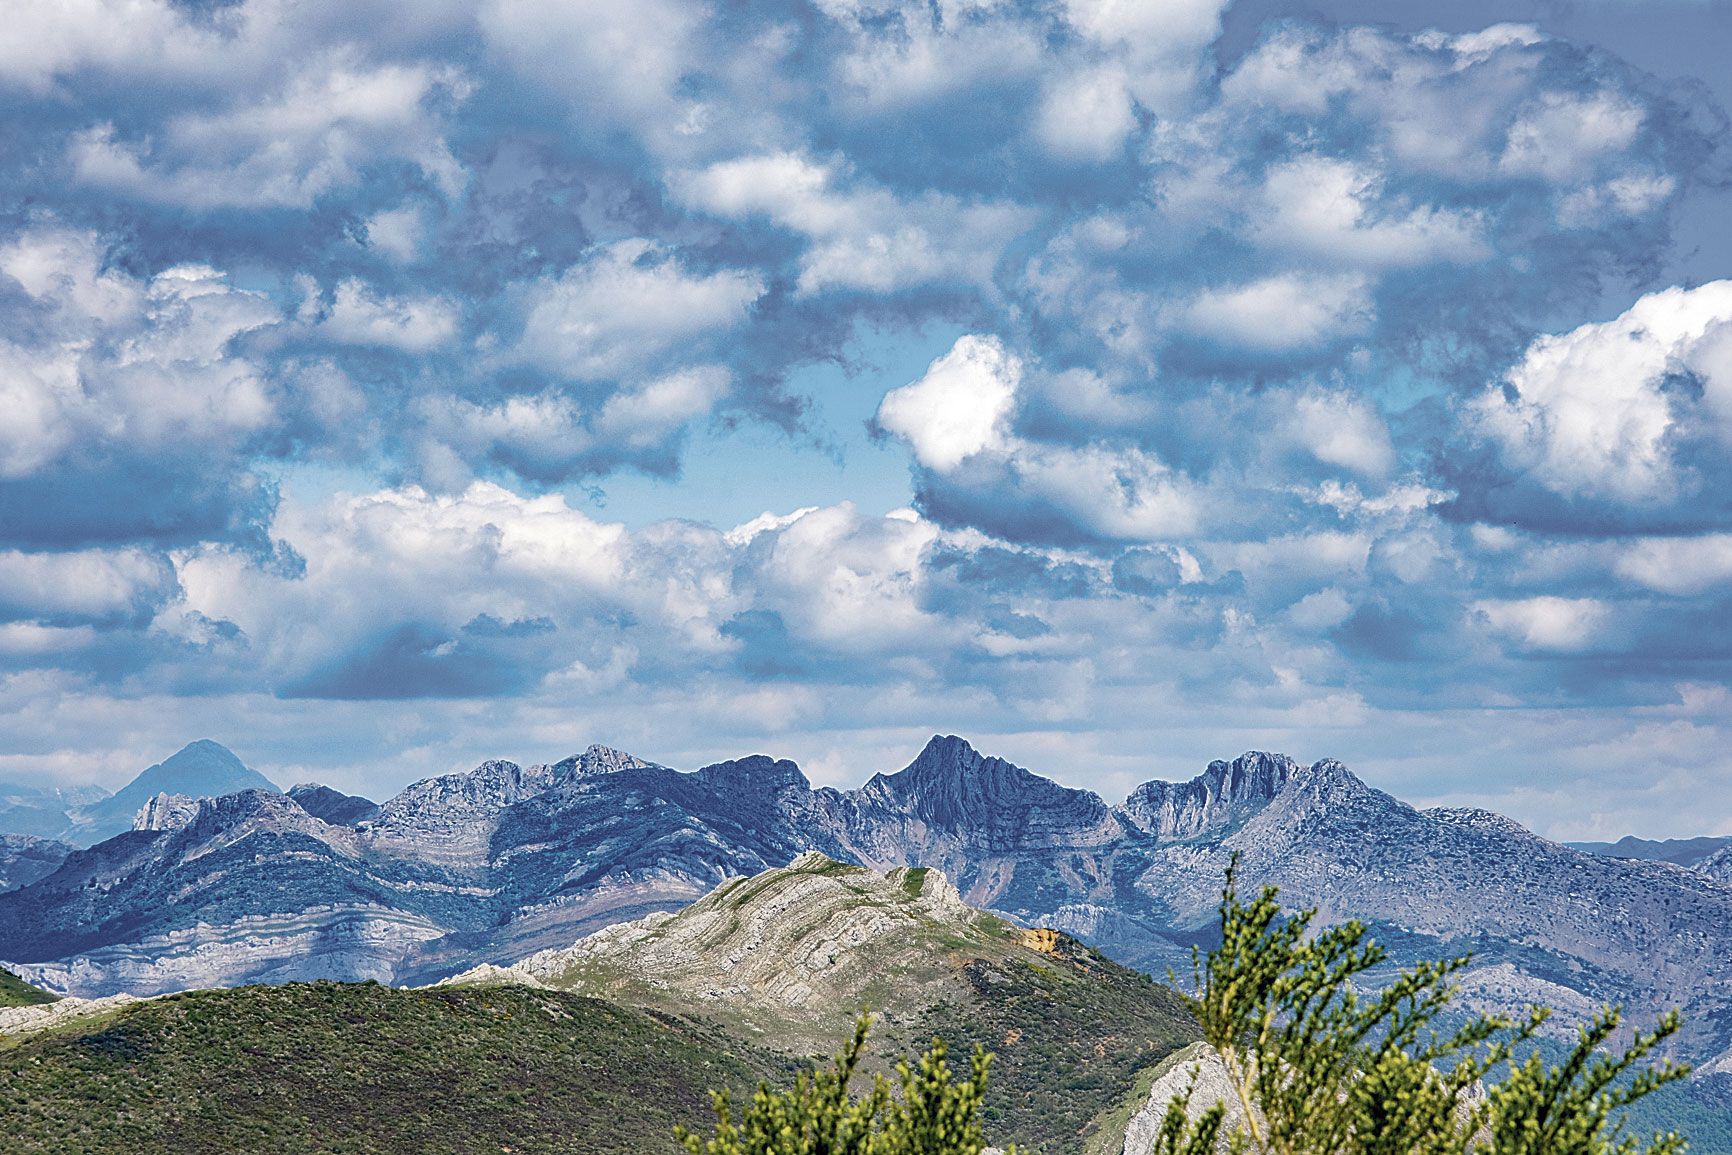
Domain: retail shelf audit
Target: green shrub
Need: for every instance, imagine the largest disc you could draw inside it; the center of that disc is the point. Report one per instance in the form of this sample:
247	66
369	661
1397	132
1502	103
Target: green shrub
935	1113
1317	1069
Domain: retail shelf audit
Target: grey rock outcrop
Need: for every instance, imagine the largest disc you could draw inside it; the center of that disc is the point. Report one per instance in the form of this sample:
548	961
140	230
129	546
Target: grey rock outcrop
166	812
1199	1072
1214	804
1717	866
815	933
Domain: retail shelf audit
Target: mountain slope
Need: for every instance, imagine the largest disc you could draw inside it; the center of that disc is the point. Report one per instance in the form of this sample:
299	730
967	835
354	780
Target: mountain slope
789	957
15	992
333	806
24	859
360	1068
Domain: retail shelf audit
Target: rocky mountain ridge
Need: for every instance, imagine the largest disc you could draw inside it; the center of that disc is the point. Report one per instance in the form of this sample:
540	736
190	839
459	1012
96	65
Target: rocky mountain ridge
494	865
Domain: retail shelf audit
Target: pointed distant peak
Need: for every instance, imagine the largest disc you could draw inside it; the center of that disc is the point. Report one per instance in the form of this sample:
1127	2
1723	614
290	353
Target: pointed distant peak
946	757
205	754
1330	771
201	769
948	748
598	759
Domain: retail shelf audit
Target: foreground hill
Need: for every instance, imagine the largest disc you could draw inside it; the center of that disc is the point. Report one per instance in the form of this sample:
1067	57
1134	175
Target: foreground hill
506	860
789	956
340	1068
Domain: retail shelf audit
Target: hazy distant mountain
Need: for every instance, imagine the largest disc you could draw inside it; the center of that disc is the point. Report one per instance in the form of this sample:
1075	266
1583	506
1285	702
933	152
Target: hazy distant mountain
42	811
1687	852
505	860
201	769
87	815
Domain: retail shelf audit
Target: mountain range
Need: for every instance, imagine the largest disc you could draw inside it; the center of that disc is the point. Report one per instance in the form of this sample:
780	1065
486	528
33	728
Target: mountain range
1690	852
498	863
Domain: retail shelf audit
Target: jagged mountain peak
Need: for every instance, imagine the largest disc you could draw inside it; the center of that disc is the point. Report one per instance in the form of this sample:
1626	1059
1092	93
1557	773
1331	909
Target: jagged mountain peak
1218	800
756	772
1227	794
950	771
597	759
952	795
495	782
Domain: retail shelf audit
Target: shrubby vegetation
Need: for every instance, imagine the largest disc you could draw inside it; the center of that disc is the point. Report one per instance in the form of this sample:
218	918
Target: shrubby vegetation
934	1111
1318	1069
1070	1037
361	1069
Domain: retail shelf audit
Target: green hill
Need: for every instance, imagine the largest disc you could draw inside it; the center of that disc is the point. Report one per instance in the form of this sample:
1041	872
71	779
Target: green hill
790	956
359	1069
15	992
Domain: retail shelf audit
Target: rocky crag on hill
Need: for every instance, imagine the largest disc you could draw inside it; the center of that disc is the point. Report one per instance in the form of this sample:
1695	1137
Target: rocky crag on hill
506	860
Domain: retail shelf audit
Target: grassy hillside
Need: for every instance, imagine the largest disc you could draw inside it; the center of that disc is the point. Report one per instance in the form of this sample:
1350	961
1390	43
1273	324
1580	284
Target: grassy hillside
789	957
15	992
348	1069
1071	1036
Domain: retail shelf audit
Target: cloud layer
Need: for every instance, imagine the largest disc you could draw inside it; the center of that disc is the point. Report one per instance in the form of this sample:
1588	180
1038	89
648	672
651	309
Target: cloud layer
1321	394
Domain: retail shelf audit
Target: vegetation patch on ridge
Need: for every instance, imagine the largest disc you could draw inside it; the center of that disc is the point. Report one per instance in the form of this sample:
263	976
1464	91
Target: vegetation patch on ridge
361	1069
15	992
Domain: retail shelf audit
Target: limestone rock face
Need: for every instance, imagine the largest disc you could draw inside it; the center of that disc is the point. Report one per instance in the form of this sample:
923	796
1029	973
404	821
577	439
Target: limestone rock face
816	933
1718	866
1198	1069
1223	798
166	812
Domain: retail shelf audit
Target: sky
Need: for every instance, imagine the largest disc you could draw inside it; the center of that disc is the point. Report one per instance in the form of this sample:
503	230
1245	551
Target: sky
389	385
